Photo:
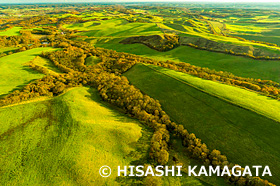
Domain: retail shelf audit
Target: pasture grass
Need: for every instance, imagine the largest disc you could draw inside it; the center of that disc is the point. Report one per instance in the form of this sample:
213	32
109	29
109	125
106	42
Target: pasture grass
13	71
244	136
6	50
92	60
43	62
65	140
11	32
115	28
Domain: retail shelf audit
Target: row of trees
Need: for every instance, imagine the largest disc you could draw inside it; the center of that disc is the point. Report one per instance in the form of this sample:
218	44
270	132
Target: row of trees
264	87
160	43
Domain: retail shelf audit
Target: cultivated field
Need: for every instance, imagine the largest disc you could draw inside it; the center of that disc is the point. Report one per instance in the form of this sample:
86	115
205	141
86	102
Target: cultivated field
248	138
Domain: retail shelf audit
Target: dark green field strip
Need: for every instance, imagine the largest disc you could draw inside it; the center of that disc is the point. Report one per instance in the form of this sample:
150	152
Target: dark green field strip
238	65
245	137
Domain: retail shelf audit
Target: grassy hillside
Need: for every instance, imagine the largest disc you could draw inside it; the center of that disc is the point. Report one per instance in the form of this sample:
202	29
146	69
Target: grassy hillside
69	138
240	66
247	138
92	60
244	98
7	49
11	32
114	28
14	72
64	141
43	62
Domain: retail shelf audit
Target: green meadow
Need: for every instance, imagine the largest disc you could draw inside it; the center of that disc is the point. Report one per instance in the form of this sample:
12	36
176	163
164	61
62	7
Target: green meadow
14	72
6	50
45	146
246	137
92	60
43	62
253	101
11	32
114	28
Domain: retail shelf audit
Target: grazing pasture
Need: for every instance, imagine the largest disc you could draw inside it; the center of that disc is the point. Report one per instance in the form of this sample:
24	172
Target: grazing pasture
246	137
14	72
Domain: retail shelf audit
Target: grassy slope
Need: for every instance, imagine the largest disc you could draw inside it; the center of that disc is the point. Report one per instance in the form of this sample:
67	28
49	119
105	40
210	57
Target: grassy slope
64	141
92	60
43	62
7	49
115	28
13	72
246	137
11	32
246	99
240	66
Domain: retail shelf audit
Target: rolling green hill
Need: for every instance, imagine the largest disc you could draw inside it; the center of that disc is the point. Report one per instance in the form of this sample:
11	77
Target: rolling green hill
245	137
6	50
70	137
115	28
13	71
11	32
65	140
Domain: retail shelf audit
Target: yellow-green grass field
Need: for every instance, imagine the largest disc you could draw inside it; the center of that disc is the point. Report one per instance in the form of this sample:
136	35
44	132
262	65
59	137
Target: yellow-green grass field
92	60
238	65
43	62
115	28
13	71
11	32
243	135
197	32
7	49
65	140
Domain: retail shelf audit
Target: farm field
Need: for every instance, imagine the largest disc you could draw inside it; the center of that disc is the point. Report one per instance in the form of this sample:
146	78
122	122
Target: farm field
245	136
14	72
247	99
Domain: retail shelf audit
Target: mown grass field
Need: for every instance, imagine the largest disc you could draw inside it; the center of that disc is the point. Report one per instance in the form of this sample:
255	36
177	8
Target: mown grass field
13	71
244	98
245	137
240	66
64	141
